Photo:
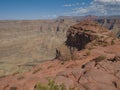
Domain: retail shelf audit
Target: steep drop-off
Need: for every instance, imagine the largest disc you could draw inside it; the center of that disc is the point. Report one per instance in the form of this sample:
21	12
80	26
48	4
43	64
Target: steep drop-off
24	44
79	35
97	66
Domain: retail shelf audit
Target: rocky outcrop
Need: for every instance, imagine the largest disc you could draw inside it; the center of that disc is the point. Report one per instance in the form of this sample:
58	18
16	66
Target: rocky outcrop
110	22
81	34
102	71
78	36
97	66
102	76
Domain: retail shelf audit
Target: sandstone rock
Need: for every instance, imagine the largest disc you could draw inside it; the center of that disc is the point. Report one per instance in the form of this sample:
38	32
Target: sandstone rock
100	70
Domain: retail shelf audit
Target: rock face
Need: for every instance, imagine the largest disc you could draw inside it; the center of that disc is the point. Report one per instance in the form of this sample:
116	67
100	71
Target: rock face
97	68
78	36
102	72
81	34
25	43
96	41
102	76
112	23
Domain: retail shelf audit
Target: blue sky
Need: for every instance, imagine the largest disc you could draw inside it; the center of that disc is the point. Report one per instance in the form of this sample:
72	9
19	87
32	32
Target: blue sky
47	9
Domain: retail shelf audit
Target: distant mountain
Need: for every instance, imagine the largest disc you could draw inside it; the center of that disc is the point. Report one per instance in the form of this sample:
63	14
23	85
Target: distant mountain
110	22
88	60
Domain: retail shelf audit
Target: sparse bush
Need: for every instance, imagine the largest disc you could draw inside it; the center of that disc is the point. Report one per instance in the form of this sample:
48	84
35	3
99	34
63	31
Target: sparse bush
49	67
102	37
51	86
2	76
62	62
91	48
112	42
99	58
15	73
105	44
87	53
97	37
13	88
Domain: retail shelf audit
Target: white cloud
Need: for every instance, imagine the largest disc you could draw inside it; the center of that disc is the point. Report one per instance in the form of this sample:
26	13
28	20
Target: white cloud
107	1
49	16
98	7
81	10
76	4
67	5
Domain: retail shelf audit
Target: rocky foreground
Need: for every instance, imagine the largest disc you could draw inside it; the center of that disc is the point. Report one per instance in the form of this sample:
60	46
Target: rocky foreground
89	59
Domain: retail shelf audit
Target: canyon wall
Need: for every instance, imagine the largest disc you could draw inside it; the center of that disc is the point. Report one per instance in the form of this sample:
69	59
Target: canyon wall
26	43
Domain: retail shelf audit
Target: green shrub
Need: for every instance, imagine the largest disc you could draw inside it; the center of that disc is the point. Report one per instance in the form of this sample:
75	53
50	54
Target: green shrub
112	42
49	67
88	53
100	58
51	86
91	48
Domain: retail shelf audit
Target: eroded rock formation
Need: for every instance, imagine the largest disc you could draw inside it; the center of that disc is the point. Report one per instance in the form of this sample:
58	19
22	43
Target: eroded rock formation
79	35
102	71
97	68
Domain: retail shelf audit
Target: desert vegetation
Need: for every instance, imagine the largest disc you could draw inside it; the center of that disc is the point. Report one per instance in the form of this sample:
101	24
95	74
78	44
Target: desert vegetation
51	86
112	42
100	58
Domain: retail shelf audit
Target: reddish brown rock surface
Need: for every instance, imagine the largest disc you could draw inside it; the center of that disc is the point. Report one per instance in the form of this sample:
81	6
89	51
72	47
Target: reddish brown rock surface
97	66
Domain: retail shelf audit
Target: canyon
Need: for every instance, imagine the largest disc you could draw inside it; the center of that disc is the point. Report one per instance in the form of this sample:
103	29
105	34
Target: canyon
24	44
83	55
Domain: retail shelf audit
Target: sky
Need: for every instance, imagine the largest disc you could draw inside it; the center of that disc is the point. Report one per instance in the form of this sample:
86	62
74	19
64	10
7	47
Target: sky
49	9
